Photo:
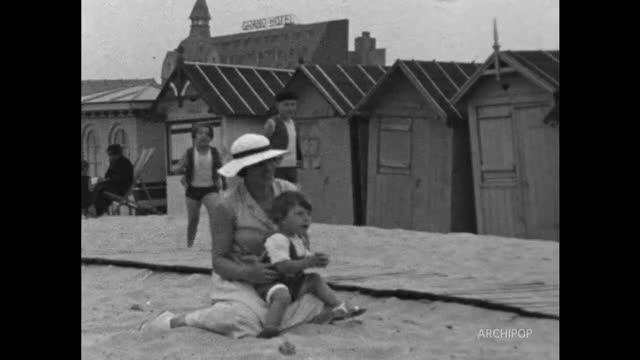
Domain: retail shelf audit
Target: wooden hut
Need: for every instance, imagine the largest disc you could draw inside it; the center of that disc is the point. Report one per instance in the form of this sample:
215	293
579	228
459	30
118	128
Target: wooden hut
234	99
513	107
118	112
418	171
326	95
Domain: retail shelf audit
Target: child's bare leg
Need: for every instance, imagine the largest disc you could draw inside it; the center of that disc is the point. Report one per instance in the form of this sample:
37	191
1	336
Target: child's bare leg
280	299
193	218
316	285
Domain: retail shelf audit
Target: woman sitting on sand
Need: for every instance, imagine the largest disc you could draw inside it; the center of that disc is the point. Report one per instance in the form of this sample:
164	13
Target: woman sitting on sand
240	225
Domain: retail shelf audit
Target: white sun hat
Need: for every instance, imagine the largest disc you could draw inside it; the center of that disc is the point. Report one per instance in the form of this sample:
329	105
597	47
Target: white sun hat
247	150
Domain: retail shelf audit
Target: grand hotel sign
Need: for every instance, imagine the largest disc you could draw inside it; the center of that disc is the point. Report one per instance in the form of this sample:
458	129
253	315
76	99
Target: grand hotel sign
268	23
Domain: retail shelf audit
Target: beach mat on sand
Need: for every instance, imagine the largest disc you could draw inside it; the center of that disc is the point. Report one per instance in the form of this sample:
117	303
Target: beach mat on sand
489	270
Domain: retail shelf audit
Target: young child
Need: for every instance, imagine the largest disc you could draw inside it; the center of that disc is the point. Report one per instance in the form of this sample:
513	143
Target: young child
289	252
199	166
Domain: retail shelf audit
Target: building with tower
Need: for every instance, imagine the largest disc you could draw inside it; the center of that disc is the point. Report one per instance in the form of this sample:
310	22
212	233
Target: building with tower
366	53
282	47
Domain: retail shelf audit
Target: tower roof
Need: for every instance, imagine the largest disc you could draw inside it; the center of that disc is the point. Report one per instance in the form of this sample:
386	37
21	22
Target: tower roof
200	11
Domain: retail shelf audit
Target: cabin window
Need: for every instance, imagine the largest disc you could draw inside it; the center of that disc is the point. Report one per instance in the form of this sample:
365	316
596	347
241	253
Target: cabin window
497	158
92	151
119	136
394	150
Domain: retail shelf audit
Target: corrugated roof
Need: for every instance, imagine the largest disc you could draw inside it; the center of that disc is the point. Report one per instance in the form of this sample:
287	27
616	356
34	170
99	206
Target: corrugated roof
147	92
343	86
235	89
539	66
437	81
89	87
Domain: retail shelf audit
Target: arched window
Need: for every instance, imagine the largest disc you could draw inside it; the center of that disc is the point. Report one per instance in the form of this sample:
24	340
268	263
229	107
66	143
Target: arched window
119	136
92	151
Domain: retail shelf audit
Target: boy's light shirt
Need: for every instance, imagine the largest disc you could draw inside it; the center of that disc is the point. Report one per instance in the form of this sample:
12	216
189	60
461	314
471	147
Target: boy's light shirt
277	247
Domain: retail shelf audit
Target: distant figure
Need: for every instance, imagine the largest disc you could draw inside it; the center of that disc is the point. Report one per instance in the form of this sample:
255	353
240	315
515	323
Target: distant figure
201	179
117	180
283	135
289	253
85	185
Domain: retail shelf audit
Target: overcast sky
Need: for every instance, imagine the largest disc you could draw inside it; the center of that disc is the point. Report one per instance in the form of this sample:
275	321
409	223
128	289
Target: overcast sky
129	38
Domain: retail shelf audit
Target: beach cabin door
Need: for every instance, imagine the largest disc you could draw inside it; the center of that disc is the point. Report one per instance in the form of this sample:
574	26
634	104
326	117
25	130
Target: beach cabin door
408	181
515	170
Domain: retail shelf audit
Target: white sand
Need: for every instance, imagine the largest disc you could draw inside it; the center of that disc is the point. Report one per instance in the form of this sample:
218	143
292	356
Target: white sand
515	272
391	329
467	265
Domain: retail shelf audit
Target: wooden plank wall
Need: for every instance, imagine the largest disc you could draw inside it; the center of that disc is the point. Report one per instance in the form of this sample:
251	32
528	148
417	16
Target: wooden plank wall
420	200
431	205
389	195
540	156
512	209
326	142
329	187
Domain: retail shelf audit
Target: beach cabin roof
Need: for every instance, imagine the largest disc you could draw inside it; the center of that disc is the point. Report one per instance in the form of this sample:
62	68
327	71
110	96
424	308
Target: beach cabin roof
138	97
436	81
343	86
147	92
229	89
542	67
89	87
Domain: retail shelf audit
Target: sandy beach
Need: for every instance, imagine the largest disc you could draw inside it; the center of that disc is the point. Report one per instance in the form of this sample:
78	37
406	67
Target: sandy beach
116	300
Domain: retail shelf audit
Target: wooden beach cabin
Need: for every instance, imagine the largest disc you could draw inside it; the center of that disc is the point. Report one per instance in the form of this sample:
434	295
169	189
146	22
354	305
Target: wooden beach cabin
118	112
513	107
234	99
418	171
326	95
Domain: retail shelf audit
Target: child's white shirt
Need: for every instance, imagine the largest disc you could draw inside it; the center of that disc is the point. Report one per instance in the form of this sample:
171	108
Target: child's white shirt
277	247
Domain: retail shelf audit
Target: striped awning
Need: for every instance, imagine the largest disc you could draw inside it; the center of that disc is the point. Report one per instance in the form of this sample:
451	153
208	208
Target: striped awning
236	89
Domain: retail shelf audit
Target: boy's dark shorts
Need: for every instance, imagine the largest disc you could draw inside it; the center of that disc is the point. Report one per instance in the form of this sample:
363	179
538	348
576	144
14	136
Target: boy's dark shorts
198	193
293	283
